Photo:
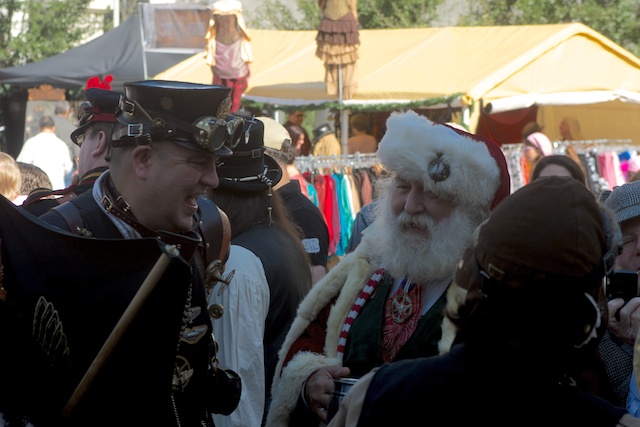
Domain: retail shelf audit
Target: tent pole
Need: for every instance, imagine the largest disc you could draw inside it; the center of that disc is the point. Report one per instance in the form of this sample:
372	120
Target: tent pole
116	13
144	55
344	120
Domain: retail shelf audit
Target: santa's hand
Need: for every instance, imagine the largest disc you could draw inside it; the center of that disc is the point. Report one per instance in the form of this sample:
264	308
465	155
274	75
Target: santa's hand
319	386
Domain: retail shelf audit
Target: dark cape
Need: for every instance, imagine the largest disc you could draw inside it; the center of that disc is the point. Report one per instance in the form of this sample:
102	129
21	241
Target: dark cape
64	295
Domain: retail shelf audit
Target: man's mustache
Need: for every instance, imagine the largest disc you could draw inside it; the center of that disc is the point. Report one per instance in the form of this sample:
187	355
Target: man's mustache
416	221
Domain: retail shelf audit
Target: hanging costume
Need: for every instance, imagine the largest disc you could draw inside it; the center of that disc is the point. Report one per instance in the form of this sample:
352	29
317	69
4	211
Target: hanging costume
338	41
228	50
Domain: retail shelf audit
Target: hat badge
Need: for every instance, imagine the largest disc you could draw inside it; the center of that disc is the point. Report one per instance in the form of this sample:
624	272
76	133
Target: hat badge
438	169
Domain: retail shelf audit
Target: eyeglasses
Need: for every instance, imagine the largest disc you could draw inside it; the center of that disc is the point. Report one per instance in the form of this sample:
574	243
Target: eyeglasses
216	133
89	113
629	242
79	138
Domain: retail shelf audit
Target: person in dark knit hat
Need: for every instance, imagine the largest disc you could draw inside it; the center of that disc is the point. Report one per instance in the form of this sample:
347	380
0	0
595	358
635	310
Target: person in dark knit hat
383	301
96	118
166	143
527	310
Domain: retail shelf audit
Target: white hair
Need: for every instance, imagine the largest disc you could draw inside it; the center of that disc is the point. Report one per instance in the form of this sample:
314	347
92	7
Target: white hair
423	256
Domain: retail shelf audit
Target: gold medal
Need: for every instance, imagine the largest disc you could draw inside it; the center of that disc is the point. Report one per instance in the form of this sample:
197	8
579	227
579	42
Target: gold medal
401	307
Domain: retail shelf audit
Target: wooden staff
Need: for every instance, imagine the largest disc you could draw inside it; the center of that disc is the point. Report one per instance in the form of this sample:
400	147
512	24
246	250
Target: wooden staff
125	320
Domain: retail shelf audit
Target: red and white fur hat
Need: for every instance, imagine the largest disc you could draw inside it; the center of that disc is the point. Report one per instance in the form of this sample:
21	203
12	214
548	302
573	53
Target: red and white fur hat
451	163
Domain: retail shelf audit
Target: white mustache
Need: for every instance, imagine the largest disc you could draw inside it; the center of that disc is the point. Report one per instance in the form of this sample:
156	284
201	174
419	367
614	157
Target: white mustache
422	221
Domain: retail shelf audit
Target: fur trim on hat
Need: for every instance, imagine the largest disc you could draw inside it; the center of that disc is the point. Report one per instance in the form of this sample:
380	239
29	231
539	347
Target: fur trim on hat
450	165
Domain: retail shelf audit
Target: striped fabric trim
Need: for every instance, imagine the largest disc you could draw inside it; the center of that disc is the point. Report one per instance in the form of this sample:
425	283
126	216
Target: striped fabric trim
364	296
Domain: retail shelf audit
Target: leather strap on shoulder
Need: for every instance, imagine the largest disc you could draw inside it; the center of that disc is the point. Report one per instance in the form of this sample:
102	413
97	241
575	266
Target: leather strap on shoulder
71	215
215	229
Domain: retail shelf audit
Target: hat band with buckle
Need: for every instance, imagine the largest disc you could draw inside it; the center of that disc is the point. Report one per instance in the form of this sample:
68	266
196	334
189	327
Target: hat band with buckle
262	177
209	132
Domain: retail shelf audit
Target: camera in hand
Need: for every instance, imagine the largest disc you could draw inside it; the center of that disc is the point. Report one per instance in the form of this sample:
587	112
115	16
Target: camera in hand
622	284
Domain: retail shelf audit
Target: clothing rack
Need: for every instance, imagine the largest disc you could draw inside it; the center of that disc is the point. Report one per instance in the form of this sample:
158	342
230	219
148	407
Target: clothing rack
609	143
598	145
340	185
599	158
357	160
592	142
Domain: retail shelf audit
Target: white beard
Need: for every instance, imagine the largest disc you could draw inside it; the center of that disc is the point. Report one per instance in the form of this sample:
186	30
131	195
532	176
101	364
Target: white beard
429	253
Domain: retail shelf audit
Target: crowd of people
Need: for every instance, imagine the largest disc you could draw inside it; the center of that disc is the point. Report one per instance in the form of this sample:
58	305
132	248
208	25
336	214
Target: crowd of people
455	294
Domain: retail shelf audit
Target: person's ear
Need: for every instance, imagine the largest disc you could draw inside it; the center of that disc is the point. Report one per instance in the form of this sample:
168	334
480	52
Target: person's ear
141	158
102	146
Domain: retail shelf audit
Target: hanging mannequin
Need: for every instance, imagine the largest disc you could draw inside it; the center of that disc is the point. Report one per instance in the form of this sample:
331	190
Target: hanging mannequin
228	50
338	41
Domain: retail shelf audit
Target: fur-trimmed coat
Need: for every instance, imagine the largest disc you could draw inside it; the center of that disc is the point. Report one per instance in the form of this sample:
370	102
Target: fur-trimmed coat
346	279
335	294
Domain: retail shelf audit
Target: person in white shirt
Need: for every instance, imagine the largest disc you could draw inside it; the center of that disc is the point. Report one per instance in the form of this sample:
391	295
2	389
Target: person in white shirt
241	333
48	152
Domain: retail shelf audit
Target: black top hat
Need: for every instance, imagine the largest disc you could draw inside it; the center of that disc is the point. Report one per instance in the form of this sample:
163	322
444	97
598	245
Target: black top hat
322	130
100	106
193	115
249	169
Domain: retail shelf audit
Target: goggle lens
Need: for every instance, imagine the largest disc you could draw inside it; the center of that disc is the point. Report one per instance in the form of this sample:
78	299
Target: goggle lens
220	132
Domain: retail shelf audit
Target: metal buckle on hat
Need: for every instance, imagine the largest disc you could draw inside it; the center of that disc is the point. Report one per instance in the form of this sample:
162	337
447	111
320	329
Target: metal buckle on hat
495	272
127	106
135	129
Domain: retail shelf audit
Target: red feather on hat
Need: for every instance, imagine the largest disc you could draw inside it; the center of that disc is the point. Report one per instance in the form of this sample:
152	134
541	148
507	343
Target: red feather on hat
95	82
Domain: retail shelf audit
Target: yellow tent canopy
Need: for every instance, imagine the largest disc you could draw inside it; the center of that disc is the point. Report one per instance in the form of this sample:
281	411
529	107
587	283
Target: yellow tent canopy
493	69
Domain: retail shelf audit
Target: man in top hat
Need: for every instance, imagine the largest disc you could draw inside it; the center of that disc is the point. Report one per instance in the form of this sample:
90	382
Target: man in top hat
256	318
528	307
162	160
325	142
383	302
92	137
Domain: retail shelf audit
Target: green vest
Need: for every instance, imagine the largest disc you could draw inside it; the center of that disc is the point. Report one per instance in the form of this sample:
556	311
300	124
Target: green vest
363	350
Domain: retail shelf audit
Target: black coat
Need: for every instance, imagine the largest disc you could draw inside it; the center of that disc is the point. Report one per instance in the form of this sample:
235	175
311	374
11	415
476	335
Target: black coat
65	295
